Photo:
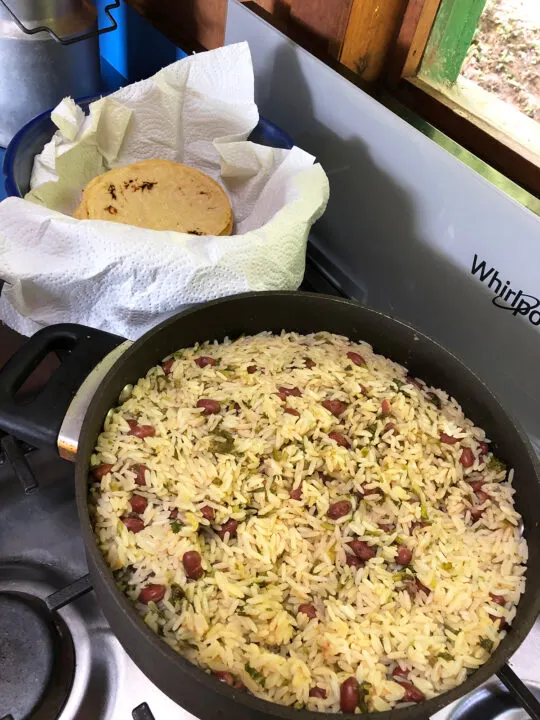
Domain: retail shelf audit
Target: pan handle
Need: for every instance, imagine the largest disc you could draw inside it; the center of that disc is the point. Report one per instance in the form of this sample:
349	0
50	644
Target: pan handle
39	420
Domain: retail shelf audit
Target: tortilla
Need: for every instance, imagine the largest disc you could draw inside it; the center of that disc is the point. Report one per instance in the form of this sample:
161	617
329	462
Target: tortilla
159	195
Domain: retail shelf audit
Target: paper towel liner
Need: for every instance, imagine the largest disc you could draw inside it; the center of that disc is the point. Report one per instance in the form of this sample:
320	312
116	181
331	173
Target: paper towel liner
124	279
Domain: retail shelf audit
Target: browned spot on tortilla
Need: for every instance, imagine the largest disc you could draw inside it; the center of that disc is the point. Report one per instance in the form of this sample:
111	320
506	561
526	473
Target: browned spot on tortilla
111	210
194	232
112	191
146	185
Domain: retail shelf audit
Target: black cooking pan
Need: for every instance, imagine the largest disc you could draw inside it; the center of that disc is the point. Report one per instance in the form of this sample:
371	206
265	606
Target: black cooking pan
40	422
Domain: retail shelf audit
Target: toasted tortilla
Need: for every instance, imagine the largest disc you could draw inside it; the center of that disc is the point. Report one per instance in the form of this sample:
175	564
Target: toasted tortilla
159	195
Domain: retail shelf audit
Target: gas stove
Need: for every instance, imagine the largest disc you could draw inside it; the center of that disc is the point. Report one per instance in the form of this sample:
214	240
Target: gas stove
59	660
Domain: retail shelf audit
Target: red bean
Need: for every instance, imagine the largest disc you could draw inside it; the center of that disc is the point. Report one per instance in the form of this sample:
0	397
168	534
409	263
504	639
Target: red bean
353	561
339	439
140	431
415	586
291	411
467	457
364	390
173	514
251	369
404	556
448	439
386	528
400	672
349	695
336	407
482	496
167	366
99	471
152	593
391	428
140	474
281	396
476	513
210	407
477	485
138	503
224	676
412	693
374	491
318	692
204	361
308	610
339	509
356	358
208	512
483	448
296	494
133	524
385	408
229	527
413	381
502	621
295	392
362	550
498	599
192	564
309	363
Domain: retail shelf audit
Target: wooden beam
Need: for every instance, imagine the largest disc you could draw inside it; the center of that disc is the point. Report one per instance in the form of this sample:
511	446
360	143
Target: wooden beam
450	38
323	18
372	28
412	39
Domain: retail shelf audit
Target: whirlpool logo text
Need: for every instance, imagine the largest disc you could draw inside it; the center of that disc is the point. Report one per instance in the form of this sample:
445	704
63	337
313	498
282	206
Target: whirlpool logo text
506	297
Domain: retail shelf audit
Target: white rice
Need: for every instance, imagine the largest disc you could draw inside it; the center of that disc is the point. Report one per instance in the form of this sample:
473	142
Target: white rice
242	615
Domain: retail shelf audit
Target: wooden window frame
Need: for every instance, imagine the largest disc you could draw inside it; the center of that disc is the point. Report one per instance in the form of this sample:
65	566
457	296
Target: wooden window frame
424	34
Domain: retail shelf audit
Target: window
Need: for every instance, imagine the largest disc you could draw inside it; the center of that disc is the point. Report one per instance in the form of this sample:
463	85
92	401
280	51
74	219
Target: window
472	69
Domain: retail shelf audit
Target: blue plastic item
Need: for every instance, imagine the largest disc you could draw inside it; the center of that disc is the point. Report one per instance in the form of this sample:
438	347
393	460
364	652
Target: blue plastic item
31	138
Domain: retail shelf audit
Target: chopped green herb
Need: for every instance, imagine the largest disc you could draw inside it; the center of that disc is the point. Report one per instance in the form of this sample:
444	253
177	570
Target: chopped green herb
255	674
423	512
486	644
177	592
445	656
363	696
447	566
398	383
222	442
496	465
175	526
435	399
364	452
372	429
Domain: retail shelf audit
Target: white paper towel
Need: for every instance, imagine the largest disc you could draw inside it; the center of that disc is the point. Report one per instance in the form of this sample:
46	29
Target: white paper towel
124	279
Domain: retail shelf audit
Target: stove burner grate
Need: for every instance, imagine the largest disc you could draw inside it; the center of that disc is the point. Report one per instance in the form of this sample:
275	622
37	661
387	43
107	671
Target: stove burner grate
37	659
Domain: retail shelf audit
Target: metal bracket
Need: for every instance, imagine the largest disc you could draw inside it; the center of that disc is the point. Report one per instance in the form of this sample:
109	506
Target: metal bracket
72	38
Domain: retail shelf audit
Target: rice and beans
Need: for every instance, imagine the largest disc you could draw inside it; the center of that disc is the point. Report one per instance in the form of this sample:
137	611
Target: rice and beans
300	517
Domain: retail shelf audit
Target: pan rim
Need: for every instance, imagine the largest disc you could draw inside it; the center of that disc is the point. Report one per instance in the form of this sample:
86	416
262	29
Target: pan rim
509	644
